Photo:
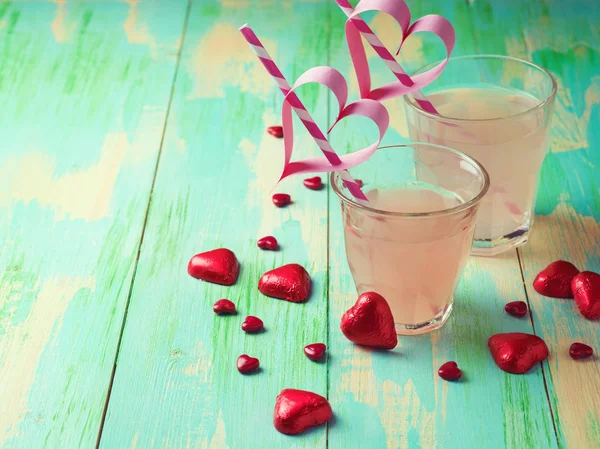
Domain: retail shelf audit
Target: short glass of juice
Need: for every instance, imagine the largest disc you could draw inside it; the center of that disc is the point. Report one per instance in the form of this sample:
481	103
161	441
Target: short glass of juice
497	110
410	241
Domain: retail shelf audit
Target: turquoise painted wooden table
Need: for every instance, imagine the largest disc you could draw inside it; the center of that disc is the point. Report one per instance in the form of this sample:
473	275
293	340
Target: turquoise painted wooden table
133	136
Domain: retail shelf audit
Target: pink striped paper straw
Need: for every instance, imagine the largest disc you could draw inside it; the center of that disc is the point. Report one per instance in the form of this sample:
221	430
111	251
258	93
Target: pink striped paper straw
301	111
403	77
385	55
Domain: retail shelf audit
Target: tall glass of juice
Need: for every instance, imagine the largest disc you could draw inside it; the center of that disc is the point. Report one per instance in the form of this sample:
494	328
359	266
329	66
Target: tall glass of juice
497	110
410	241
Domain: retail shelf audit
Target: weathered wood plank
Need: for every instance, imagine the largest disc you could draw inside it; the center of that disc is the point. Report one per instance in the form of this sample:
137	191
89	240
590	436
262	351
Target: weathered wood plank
397	400
84	90
562	38
176	383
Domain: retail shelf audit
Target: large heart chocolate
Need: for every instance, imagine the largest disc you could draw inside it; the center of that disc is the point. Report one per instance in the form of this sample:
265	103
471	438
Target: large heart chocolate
297	410
586	291
218	266
516	352
290	282
555	279
370	322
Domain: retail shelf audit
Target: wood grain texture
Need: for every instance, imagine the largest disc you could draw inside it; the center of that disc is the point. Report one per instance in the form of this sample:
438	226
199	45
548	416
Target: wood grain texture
561	38
176	383
85	91
396	400
83	106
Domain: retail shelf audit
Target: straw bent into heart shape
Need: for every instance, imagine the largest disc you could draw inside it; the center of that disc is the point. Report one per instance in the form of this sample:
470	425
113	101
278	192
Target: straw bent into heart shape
300	109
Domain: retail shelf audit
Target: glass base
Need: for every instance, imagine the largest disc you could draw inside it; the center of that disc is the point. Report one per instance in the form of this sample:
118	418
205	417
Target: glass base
499	245
427	326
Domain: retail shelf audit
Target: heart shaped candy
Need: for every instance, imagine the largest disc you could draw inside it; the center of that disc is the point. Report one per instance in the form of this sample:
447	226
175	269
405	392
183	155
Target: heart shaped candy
516	352
290	282
297	410
218	266
580	351
555	279
315	351
247	364
586	291
276	131
224	307
370	322
313	183
269	243
449	371
516	308
252	324
281	199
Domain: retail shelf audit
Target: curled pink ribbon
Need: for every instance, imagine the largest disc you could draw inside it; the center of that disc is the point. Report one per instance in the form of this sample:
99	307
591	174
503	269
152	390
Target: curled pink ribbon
398	9
336	83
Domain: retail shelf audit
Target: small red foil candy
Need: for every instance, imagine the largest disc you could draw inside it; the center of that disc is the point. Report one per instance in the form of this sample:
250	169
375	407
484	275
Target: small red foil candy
218	266
516	308
290	282
298	410
449	371
370	322
281	199
580	351
224	307
555	279
586	291
252	324
247	364
313	183
276	131
516	352
269	243
359	183
315	351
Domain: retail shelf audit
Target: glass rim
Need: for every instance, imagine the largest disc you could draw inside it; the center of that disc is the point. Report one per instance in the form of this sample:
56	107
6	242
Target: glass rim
436	213
540	105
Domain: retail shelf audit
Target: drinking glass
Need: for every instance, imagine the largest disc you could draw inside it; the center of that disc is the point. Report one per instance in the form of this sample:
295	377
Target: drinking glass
410	241
496	109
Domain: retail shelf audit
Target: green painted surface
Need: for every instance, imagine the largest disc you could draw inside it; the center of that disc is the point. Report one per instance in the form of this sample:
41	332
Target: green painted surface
86	89
81	119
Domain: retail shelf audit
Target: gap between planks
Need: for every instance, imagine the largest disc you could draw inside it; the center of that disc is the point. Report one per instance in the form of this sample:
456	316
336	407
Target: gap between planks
469	4
139	249
545	362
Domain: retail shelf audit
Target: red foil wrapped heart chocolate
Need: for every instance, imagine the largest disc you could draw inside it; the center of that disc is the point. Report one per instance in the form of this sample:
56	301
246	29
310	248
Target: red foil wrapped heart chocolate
516	352
224	307
298	410
315	351
586	291
555	279
449	371
313	183
281	199
580	351
276	131
252	324
516	308
219	266
247	364
290	282
370	322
